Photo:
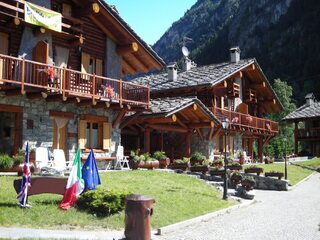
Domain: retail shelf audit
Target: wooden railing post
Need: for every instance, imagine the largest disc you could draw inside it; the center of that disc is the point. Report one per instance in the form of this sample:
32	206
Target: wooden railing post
63	84
23	92
120	92
94	89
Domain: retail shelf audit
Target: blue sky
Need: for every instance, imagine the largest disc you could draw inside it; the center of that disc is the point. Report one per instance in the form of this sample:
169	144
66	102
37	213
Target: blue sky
151	18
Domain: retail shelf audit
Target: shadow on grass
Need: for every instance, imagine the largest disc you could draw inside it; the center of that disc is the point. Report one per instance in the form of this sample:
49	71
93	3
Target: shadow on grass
47	202
9	204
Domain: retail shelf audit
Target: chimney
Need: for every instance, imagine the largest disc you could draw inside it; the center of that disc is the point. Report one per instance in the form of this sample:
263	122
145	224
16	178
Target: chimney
188	64
235	54
172	71
310	99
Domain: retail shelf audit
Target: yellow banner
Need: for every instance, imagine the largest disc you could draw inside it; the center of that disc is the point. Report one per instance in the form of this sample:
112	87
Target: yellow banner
40	16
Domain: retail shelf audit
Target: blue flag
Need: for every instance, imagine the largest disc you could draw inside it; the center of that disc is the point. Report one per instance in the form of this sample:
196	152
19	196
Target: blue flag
90	173
25	183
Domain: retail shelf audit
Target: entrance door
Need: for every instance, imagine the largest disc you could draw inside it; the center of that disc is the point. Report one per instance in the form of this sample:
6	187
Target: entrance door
4	49
60	127
40	52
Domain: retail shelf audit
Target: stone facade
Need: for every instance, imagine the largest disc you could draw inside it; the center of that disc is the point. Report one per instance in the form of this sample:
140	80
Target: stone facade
41	133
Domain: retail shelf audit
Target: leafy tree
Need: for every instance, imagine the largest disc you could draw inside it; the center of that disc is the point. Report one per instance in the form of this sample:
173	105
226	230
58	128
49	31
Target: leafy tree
277	144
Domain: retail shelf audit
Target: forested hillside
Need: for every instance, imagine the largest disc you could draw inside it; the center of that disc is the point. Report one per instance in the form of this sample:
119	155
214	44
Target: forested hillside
283	35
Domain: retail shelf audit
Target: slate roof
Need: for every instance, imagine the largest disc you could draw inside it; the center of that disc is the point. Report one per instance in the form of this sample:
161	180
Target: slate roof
197	76
304	112
168	106
116	15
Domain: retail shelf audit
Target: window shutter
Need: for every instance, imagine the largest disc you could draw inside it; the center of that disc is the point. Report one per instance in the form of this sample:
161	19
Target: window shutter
85	62
107	127
4	48
82	134
99	67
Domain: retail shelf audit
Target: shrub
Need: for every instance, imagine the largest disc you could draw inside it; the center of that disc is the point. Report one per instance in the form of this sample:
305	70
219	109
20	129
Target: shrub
102	202
159	155
5	160
197	157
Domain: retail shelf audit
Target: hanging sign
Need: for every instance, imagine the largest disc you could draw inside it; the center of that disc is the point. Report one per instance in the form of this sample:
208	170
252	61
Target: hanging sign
40	16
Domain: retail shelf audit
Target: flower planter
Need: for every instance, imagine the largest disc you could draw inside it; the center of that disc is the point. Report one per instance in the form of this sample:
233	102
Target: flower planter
279	175
179	166
133	164
235	167
241	159
203	169
149	164
17	169
254	170
235	179
164	163
216	173
248	184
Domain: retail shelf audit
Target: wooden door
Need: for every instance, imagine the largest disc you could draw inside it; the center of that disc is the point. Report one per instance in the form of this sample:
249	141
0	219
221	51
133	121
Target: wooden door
60	140
4	49
40	52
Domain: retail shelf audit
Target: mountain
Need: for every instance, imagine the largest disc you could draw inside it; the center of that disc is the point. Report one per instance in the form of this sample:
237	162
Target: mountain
283	35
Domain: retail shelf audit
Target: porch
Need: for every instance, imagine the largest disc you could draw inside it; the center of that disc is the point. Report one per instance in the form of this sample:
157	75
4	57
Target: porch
30	78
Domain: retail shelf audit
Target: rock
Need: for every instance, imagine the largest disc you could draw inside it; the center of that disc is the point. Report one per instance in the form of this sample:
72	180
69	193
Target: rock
243	193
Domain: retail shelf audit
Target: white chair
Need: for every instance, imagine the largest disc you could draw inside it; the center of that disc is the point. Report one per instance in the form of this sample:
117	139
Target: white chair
247	159
122	161
42	157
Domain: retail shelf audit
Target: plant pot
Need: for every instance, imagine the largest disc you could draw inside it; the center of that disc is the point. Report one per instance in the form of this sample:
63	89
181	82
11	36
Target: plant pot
248	184
150	164
203	169
235	179
180	166
254	170
241	160
17	169
279	175
235	167
216	165
133	164
216	173
164	163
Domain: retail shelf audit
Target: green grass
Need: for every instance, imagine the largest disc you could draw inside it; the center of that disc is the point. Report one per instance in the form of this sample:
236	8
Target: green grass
178	197
295	173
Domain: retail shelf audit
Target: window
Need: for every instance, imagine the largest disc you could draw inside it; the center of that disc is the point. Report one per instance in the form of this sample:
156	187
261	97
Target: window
94	133
91	65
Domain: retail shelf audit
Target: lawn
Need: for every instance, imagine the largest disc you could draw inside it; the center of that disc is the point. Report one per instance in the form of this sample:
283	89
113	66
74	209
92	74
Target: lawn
178	197
295	173
314	163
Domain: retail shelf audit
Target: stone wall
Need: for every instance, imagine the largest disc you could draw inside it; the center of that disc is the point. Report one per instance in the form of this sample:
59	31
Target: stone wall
269	183
113	61
41	134
206	147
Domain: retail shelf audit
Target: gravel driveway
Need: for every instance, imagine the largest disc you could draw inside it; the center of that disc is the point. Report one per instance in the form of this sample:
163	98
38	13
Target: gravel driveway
274	215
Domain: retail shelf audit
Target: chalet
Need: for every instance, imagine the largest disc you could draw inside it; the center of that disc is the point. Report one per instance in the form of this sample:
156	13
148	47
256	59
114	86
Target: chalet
306	120
188	107
61	64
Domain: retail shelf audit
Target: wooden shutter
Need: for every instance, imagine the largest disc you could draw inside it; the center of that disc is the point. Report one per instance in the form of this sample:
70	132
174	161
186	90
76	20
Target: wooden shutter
66	10
85	62
107	128
99	67
4	49
82	134
40	52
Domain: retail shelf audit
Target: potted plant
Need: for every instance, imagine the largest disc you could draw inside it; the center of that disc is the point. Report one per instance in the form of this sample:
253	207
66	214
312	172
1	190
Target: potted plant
248	183
216	171
241	157
149	162
181	164
6	162
218	163
253	169
134	160
197	158
235	166
164	161
279	175
203	168
235	178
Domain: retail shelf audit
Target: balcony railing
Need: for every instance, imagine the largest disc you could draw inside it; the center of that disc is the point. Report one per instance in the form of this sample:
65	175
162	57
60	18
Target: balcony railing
310	133
246	121
26	74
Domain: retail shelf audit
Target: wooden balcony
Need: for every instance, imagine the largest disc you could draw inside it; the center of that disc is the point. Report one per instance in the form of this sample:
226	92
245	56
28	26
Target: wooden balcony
234	90
247	122
23	76
308	134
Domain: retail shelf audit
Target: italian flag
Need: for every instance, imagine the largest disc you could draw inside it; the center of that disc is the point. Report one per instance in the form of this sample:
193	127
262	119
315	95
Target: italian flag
75	184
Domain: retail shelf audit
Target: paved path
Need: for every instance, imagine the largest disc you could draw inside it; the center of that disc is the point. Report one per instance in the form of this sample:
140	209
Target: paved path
275	215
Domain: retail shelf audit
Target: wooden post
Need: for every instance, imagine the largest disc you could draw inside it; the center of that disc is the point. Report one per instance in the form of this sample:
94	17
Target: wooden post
260	149
296	138
250	147
161	141
94	89
188	144
22	76
120	92
147	140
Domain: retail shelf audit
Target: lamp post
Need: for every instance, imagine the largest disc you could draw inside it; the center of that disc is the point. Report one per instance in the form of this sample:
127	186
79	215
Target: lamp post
225	126
285	158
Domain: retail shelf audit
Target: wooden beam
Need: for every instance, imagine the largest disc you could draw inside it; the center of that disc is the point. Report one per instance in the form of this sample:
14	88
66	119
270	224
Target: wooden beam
93	118
200	135
87	10
104	29
217	132
128	67
134	60
210	135
10	108
119	117
187	151
181	123
127	48
68	115
258	85
167	128
130	120
201	125
85	103
147	140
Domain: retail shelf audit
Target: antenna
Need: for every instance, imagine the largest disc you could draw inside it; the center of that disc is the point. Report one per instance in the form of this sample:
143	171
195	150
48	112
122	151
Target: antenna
185	51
